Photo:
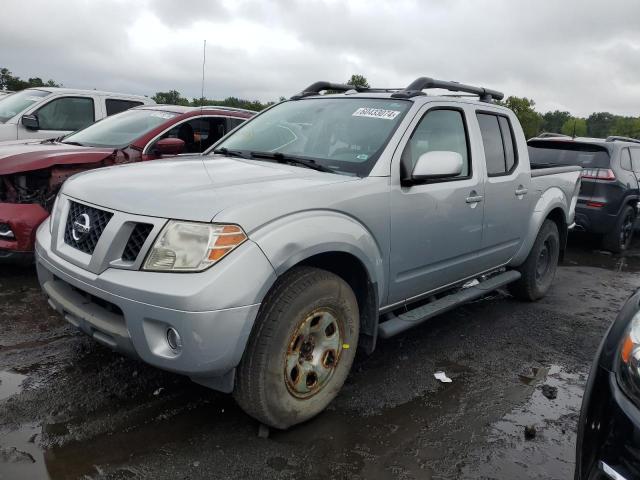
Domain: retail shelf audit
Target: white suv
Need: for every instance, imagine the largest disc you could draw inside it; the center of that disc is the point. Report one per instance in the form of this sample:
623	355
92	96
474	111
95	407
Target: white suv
50	112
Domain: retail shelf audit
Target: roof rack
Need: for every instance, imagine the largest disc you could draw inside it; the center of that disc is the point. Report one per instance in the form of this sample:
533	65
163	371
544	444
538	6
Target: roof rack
423	83
616	138
316	88
413	90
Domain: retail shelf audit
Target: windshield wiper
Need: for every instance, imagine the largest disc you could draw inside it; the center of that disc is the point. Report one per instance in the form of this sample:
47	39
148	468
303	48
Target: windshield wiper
282	158
231	153
73	143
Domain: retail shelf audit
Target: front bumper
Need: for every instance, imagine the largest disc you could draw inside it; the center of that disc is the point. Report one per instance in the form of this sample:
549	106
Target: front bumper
23	219
130	311
608	445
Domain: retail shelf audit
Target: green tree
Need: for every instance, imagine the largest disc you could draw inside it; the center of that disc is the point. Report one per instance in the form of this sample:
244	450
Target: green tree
358	81
573	125
530	120
172	97
626	127
554	121
8	81
600	124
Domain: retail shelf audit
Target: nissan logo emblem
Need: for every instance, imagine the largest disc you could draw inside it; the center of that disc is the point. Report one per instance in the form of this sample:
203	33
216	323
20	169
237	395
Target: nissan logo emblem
81	227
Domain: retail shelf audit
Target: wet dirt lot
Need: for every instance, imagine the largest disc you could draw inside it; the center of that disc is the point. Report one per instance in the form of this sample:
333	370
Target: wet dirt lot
70	408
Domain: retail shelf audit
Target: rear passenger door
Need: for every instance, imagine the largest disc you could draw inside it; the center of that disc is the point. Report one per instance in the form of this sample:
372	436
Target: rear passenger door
507	185
61	116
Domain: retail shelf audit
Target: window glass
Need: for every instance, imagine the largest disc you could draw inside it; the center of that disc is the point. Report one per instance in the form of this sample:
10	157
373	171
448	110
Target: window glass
234	122
625	159
66	113
18	102
116	106
635	159
344	134
509	147
122	129
439	130
493	147
550	153
198	134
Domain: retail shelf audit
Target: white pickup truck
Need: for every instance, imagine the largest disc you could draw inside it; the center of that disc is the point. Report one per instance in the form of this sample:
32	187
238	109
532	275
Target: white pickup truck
50	112
312	229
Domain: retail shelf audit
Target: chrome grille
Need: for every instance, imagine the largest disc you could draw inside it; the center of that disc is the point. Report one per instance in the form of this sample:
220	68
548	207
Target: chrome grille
136	240
83	239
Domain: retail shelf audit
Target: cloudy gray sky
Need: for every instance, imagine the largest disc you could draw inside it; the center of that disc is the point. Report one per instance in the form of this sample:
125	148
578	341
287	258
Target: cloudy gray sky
577	55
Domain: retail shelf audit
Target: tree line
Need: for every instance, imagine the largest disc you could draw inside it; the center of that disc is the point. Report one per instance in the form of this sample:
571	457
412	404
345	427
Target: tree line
598	124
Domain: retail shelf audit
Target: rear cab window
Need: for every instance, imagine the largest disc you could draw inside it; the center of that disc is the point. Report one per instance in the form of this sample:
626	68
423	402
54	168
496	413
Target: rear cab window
116	105
498	142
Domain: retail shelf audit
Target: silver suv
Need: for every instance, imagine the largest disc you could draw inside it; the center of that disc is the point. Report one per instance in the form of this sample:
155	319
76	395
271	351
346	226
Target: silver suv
316	227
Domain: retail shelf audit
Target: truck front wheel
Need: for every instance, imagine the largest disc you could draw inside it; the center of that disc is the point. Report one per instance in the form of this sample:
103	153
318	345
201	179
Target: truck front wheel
301	348
539	268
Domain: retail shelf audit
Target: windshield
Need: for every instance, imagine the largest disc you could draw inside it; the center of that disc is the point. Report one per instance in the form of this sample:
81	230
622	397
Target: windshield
345	135
542	153
121	129
12	105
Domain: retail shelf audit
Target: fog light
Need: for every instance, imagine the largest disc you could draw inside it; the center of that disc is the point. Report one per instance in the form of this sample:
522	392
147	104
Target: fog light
173	339
6	233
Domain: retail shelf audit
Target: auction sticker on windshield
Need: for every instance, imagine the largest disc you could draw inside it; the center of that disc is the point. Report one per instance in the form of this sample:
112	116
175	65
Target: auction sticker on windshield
376	113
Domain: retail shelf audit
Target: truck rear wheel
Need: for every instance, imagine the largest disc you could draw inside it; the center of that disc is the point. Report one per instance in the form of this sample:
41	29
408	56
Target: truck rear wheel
619	239
301	348
539	268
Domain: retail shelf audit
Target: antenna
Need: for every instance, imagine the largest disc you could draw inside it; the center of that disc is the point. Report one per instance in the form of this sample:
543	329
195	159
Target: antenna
204	61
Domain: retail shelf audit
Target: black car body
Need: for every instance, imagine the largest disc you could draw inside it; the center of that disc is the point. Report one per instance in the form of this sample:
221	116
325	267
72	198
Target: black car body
608	445
609	195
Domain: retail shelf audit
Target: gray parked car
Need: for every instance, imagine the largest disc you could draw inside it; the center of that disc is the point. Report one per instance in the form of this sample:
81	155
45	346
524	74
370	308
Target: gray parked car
316	227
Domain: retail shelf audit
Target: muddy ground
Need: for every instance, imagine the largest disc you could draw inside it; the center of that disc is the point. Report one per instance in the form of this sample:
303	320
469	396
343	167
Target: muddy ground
70	408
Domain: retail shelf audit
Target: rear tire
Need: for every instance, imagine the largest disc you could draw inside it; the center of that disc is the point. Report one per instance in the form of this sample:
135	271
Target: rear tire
539	269
300	350
619	239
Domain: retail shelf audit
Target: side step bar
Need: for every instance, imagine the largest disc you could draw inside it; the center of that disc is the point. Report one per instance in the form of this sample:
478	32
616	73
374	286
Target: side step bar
395	324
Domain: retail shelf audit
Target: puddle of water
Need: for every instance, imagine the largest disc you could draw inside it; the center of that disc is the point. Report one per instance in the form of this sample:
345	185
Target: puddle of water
551	453
584	250
20	455
10	384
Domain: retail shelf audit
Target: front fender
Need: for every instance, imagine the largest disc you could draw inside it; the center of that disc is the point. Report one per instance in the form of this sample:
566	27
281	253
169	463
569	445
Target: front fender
550	200
291	239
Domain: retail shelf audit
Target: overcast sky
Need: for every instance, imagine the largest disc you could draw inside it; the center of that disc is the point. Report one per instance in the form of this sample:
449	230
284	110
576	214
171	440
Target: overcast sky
578	55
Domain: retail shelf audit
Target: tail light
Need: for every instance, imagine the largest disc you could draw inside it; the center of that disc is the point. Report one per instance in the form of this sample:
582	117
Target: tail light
598	174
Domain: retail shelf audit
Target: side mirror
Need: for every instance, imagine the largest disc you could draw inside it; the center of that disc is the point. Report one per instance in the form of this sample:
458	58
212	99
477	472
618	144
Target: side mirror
169	146
31	122
437	164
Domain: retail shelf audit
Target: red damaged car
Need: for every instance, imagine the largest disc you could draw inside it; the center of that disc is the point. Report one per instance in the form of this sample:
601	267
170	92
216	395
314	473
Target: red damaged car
31	173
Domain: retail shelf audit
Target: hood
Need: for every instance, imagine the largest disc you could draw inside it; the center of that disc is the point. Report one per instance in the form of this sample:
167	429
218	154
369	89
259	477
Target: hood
192	188
17	157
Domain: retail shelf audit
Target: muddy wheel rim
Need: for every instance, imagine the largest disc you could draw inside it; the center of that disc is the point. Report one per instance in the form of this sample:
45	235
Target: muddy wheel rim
313	353
627	229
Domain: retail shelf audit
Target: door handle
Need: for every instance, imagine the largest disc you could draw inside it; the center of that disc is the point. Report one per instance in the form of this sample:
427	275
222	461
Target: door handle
474	199
521	191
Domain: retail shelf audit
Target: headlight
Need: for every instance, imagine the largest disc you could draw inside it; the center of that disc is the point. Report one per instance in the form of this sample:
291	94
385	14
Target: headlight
629	360
192	247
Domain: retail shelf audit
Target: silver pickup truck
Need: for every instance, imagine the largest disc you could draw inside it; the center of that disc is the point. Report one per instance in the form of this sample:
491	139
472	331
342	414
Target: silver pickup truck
316	227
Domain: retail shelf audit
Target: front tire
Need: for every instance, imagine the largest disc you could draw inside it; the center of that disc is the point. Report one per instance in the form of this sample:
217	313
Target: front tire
301	348
619	239
539	269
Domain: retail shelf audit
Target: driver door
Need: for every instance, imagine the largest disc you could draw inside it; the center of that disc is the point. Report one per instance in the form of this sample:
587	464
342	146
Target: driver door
436	227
